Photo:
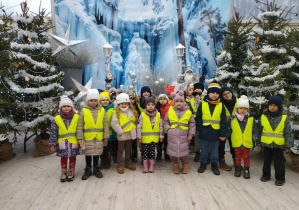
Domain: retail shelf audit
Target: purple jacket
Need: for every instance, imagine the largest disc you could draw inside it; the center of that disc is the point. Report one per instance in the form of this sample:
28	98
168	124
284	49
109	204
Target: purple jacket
178	143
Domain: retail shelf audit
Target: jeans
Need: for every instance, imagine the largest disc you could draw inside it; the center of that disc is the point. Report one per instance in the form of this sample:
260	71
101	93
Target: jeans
206	147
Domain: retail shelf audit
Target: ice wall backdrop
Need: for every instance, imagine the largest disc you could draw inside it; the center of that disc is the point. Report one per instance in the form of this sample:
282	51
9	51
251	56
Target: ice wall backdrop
144	35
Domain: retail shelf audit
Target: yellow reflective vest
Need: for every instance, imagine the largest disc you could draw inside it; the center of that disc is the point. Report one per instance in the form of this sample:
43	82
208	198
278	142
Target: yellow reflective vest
148	133
125	123
183	122
268	135
193	107
140	109
214	120
93	130
234	110
109	114
238	138
68	134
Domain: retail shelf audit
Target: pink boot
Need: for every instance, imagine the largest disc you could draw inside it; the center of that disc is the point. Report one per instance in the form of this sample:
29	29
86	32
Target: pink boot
152	166
145	166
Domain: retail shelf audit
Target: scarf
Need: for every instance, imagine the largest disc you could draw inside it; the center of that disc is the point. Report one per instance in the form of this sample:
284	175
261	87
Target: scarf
273	114
215	102
240	116
68	115
230	103
150	114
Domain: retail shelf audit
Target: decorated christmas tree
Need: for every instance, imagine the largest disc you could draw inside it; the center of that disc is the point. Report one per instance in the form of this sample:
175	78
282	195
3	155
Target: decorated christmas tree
268	59
234	52
34	79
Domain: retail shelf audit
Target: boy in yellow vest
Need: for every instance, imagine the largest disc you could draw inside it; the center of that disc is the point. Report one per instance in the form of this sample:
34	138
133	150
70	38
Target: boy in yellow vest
211	123
92	132
276	136
64	138
244	131
149	132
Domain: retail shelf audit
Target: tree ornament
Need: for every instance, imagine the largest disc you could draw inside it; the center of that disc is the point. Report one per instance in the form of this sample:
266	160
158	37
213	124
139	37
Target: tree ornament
133	75
26	79
121	87
157	82
147	78
15	64
131	87
130	72
134	82
34	67
161	80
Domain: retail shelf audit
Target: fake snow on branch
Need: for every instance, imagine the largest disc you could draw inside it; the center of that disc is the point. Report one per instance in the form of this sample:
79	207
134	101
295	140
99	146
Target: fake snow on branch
258	100
33	123
294	126
37	78
3	121
32	46
296	50
256	88
18	89
33	62
269	49
22	33
273	14
259	69
289	64
223	55
26	20
257	29
261	79
294	110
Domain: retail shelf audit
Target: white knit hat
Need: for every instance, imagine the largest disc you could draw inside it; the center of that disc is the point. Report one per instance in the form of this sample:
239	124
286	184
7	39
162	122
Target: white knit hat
65	101
163	95
122	98
243	102
92	94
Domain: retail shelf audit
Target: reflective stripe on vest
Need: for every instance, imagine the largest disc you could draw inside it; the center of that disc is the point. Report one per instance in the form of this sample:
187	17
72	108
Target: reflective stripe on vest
68	134
268	135
239	138
234	110
125	123
174	121
214	120
148	133
109	114
193	107
93	130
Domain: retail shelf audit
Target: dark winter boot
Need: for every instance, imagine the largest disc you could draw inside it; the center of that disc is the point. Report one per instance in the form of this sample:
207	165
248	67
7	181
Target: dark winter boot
246	173
159	157
202	167
215	168
97	172
103	163
238	171
167	158
196	157
87	173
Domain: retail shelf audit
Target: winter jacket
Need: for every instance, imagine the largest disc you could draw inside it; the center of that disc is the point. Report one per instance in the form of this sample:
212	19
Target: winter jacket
121	135
153	120
242	125
95	146
178	143
208	133
163	109
113	136
64	148
288	134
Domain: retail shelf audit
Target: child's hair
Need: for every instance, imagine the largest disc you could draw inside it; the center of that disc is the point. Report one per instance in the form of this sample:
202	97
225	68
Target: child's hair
131	106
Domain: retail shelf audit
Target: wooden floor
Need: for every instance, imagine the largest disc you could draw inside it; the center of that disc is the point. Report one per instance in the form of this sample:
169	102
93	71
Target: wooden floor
33	183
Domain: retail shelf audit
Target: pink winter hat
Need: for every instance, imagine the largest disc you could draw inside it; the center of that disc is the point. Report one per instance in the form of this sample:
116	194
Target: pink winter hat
65	101
178	96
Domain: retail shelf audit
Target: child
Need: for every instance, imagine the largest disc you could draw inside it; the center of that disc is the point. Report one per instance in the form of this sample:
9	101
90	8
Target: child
211	124
109	149
180	126
124	124
149	132
189	91
93	132
63	137
145	92
244	130
163	105
132	96
276	136
194	102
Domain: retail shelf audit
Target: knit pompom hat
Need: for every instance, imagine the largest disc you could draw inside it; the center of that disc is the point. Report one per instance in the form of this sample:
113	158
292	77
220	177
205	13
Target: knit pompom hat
132	94
169	89
225	88
65	101
105	96
163	95
145	88
149	100
243	102
92	94
214	87
178	96
122	98
199	85
278	100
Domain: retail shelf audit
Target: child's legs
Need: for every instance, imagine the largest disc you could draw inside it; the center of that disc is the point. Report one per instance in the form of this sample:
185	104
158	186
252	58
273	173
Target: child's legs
204	154
114	147
185	160
128	145
95	159
63	162
159	148
214	151
152	148
165	142
279	164
104	155
197	142
231	149
268	153
120	150
134	148
238	156
221	149
246	157
72	162
88	161
175	159
146	151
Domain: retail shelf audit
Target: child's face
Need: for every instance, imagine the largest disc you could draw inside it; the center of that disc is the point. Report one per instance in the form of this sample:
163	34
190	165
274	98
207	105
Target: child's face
214	96
66	109
273	108
124	105
146	94
105	102
162	101
242	110
198	90
150	107
132	100
227	95
93	102
191	90
179	104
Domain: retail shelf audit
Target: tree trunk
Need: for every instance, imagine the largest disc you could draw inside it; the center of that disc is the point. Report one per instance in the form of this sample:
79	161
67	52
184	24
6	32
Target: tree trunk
181	27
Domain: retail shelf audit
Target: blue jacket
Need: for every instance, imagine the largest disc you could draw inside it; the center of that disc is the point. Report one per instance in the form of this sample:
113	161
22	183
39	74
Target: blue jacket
113	136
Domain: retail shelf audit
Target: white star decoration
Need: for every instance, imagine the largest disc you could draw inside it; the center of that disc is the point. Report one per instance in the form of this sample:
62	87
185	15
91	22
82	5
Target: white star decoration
66	43
83	89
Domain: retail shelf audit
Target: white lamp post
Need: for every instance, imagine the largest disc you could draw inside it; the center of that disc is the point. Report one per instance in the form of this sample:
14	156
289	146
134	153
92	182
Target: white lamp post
107	49
180	50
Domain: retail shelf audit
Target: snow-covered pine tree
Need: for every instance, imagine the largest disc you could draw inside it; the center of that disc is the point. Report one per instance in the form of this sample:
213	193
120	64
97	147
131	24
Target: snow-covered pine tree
268	58
7	34
234	52
34	80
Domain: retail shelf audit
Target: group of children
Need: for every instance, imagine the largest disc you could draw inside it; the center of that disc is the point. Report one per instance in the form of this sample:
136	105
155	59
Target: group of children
171	123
